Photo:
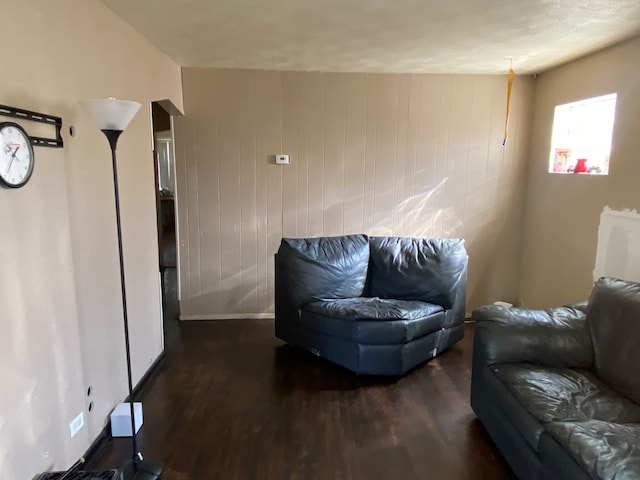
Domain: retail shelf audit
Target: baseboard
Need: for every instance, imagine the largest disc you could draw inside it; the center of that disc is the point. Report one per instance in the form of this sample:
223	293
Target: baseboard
228	316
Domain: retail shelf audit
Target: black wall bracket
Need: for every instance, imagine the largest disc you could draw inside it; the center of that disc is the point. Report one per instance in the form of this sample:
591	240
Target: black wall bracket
37	117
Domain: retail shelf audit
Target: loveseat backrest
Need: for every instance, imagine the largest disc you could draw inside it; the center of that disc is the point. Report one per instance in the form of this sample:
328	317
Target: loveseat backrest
311	269
613	317
429	270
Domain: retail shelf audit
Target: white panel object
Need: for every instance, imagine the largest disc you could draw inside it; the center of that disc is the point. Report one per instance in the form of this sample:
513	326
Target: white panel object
282	159
618	252
121	419
500	303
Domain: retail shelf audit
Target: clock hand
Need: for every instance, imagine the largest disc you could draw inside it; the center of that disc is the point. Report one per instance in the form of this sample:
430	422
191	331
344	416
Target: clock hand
13	157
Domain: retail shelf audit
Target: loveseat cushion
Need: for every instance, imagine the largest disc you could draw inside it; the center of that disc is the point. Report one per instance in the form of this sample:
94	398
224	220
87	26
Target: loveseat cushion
613	317
556	393
324	267
562	394
606	450
373	320
429	270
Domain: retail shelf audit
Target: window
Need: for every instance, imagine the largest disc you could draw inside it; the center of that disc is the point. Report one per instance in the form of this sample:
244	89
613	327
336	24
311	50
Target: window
581	139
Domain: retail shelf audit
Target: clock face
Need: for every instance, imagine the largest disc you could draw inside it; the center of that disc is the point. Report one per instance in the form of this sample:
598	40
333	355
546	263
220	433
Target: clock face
16	155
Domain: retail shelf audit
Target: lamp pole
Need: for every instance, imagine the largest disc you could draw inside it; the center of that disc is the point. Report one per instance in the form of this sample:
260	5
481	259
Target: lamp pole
112	116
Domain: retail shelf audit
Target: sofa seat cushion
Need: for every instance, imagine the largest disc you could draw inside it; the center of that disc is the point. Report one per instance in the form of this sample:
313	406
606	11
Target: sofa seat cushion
373	320
606	450
564	394
494	403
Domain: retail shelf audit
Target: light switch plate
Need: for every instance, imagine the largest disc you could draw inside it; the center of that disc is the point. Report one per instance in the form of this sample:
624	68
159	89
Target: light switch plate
282	159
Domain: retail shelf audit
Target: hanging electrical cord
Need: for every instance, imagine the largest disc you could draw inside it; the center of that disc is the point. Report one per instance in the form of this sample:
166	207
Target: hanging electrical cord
506	120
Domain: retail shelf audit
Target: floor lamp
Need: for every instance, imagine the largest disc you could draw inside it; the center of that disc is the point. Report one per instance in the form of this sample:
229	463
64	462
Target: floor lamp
112	117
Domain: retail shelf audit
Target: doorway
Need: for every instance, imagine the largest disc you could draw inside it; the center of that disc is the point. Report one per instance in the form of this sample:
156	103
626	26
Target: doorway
165	183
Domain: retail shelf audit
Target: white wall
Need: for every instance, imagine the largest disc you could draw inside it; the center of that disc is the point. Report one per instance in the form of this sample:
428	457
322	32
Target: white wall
60	309
563	211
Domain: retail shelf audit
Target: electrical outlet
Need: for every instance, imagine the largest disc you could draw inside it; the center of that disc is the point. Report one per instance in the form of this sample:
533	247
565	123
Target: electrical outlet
282	159
76	424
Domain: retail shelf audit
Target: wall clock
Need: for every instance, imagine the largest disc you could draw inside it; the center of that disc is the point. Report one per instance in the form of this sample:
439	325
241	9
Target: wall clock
16	155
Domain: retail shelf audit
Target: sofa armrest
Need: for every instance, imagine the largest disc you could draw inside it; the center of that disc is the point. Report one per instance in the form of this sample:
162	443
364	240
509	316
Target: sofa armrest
554	337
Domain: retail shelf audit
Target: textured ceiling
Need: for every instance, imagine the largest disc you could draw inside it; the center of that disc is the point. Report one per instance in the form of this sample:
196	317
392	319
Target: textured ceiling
436	36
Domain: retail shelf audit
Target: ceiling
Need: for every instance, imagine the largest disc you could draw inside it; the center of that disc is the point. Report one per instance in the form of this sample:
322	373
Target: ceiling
433	36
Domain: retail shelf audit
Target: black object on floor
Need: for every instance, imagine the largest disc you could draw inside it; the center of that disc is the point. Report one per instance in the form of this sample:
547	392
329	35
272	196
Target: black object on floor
140	470
98	475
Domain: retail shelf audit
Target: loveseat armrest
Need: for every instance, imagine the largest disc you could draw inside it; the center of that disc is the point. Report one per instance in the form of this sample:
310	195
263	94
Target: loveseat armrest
553	337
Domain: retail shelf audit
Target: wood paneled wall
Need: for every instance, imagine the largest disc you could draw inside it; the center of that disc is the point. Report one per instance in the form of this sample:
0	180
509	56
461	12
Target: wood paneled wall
382	154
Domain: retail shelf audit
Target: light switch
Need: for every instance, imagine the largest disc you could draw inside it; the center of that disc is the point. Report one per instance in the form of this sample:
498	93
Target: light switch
282	159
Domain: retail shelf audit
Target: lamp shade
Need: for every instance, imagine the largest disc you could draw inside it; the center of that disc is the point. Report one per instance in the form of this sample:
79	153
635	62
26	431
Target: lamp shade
110	113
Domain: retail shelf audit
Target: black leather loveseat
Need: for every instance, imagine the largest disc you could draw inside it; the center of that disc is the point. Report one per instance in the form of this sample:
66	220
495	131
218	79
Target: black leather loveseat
375	305
558	390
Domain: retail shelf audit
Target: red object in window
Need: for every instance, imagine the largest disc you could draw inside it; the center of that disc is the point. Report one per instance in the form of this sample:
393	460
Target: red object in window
581	166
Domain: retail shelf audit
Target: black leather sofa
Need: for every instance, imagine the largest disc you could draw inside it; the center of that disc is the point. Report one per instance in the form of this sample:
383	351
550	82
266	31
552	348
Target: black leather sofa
377	306
558	390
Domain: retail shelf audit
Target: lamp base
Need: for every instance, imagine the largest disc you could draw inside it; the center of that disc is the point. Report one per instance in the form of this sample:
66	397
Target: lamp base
140	470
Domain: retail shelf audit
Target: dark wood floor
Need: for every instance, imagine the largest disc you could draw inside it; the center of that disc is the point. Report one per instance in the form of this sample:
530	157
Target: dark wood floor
232	402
